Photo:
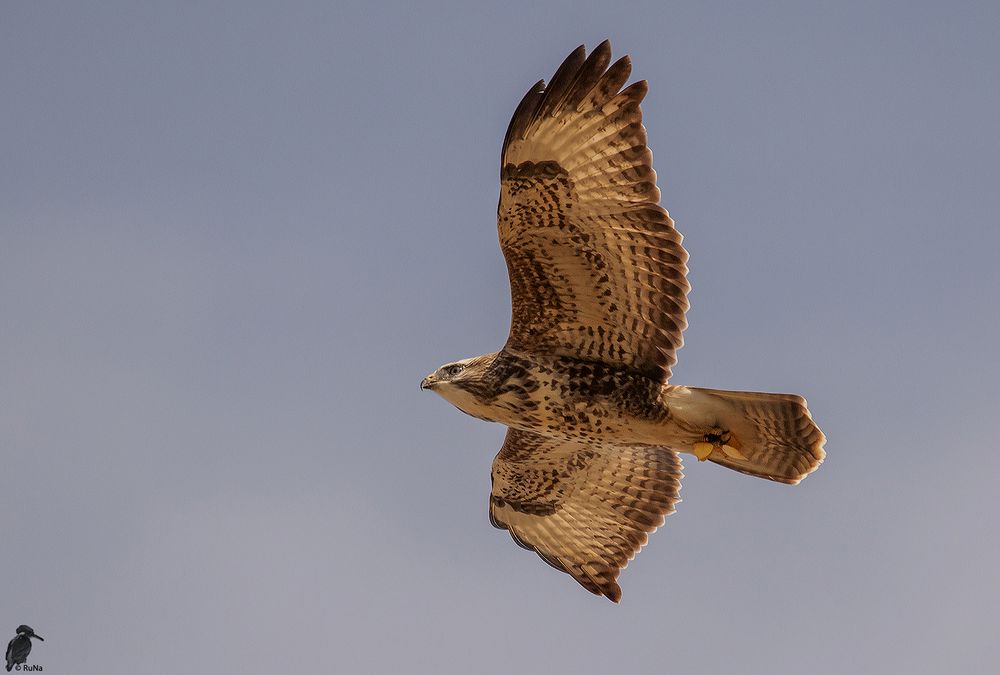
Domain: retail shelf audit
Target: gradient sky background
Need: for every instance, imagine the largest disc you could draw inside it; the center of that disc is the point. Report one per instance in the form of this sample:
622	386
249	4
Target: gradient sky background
235	235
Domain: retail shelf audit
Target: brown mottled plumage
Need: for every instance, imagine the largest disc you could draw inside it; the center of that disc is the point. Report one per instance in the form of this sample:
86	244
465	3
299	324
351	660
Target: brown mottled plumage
599	291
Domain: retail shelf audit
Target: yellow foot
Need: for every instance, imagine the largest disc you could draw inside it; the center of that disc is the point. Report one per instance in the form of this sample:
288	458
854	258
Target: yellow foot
733	452
703	450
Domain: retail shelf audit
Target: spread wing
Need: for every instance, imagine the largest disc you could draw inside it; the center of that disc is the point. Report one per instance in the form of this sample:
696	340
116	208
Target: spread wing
597	270
586	508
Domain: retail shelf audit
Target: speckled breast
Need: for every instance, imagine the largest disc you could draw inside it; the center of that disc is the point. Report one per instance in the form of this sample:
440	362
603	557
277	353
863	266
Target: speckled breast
567	397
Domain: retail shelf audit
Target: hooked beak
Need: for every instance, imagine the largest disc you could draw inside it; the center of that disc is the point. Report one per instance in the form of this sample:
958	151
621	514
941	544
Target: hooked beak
428	382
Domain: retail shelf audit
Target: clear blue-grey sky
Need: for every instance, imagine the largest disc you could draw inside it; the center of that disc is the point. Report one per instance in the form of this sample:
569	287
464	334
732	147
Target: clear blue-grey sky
235	235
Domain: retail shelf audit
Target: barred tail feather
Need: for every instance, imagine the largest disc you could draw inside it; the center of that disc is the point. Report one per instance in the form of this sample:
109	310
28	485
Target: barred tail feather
771	436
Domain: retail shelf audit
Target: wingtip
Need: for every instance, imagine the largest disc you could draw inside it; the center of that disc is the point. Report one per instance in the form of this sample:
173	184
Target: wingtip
637	90
620	71
575	57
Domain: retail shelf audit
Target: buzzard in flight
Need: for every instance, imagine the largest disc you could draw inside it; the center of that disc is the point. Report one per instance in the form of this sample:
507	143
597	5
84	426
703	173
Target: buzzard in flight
590	464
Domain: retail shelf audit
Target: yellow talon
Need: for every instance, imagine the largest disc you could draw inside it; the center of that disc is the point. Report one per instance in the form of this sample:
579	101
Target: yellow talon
733	452
703	450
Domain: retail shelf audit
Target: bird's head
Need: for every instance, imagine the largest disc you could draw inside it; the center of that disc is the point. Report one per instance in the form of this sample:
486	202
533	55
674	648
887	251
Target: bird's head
462	383
29	632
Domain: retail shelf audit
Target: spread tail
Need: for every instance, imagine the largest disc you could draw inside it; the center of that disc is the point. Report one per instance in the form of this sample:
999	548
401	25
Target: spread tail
771	436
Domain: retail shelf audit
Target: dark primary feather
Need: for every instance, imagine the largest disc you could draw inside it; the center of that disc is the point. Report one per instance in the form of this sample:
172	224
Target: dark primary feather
560	83
523	114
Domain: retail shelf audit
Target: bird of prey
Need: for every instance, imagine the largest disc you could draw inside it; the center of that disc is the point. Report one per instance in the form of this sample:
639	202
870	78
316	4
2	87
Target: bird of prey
19	648
590	464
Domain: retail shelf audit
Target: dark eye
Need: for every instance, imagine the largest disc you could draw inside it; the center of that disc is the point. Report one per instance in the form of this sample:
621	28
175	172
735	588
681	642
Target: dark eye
453	370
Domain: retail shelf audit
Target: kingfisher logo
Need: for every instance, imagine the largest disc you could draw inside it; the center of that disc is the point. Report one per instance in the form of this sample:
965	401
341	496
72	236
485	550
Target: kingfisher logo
19	648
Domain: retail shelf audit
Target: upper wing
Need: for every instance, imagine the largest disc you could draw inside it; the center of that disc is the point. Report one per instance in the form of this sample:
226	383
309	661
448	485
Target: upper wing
585	507
597	270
